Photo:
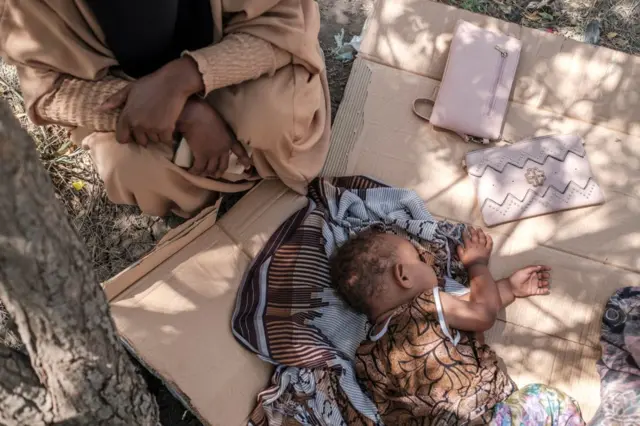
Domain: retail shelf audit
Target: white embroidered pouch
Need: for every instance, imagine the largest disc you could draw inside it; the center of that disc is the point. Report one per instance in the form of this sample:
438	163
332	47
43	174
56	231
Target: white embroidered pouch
532	177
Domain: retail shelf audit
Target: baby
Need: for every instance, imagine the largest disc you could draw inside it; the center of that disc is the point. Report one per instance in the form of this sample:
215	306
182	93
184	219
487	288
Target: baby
423	364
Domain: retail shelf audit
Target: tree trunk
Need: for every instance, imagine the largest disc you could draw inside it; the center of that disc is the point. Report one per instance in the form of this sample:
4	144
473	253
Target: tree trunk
76	371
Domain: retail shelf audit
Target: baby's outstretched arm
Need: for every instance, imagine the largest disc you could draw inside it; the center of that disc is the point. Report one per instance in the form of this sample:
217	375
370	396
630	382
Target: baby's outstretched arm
480	311
465	314
525	282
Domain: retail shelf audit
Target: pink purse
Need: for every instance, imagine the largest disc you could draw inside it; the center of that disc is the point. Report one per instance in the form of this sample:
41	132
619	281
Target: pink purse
532	177
474	92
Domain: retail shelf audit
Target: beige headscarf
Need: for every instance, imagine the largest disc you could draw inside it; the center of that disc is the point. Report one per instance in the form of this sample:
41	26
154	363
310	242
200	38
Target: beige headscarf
49	38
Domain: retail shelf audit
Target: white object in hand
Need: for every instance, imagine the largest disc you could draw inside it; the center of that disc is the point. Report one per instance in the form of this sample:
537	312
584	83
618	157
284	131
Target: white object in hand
183	156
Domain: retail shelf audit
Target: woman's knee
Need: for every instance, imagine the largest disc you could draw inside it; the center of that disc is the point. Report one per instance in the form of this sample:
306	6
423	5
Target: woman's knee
123	168
285	107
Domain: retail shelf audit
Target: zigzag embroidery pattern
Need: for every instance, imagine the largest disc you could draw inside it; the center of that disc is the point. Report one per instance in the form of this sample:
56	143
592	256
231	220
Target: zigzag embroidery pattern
538	196
484	164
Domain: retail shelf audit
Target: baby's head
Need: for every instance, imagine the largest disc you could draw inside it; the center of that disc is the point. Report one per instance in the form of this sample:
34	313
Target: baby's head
375	272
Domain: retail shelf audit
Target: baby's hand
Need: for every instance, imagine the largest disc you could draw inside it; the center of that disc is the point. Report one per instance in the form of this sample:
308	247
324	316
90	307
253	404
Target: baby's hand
477	247
530	281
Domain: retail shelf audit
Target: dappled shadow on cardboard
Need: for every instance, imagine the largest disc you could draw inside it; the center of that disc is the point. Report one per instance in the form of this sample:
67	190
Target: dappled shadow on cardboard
595	87
559	75
557	79
401	150
177	320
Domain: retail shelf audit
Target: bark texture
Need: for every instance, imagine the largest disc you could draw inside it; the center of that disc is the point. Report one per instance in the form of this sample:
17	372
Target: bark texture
76	370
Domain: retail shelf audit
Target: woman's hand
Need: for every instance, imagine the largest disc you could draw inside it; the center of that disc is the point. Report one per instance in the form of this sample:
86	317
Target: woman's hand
152	105
210	140
477	247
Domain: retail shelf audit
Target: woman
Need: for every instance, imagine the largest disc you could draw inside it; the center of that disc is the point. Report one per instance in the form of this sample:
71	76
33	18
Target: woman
241	80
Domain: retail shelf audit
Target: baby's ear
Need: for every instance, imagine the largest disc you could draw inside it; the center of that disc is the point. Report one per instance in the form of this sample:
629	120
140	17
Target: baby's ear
401	277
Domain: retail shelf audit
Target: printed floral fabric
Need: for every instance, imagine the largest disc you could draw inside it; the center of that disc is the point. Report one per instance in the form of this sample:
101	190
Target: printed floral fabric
619	367
537	405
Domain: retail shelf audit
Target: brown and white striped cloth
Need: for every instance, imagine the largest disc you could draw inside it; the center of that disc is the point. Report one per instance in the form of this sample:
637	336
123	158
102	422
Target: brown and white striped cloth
288	313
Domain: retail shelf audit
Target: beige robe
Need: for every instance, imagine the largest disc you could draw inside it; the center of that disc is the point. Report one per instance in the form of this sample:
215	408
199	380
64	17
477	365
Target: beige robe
282	117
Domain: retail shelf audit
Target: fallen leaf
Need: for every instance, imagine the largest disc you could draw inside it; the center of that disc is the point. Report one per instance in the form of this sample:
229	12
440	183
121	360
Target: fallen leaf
535	5
592	32
611	35
64	149
547	16
506	9
78	185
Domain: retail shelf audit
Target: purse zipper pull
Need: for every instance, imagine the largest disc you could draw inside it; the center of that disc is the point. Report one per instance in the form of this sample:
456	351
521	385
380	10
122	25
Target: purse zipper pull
502	51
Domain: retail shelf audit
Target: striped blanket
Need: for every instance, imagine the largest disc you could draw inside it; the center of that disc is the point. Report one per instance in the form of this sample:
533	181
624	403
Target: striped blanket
288	313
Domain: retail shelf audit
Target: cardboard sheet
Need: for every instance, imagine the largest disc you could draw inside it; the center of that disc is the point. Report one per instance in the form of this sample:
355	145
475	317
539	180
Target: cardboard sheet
561	87
555	74
174	307
178	320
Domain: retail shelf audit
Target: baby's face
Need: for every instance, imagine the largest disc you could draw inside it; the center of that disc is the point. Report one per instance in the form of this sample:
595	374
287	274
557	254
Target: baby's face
421	276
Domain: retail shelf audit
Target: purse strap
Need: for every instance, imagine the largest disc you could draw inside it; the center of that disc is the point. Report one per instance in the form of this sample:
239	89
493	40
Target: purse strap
420	103
417	103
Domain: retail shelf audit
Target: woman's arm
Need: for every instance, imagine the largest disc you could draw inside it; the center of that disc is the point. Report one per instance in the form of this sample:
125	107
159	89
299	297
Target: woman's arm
237	58
76	102
151	105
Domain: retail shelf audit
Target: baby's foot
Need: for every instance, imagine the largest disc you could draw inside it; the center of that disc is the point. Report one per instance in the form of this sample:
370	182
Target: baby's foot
530	281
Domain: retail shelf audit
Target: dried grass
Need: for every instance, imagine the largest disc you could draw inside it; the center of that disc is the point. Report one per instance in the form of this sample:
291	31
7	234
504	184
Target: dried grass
619	19
8	336
115	236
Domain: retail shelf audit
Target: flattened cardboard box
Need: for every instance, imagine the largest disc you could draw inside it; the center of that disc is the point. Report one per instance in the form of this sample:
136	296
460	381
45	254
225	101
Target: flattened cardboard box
562	86
174	307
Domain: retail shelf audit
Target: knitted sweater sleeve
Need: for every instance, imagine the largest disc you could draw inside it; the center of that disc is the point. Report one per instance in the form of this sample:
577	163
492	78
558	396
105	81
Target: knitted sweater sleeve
76	103
237	58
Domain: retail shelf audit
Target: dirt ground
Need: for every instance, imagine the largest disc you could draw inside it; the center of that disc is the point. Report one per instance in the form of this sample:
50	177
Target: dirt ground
117	236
